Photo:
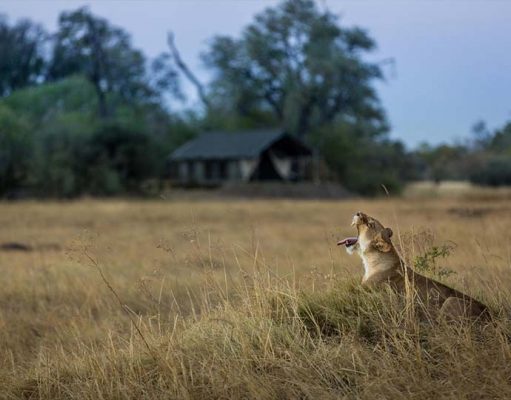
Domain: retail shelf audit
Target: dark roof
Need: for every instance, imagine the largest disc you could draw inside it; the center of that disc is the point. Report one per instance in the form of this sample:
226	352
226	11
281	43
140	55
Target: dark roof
223	145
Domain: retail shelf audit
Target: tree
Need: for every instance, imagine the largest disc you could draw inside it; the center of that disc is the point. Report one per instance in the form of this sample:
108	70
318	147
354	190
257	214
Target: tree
484	158
53	143
446	162
301	65
494	158
481	136
22	61
15	150
90	45
362	163
501	140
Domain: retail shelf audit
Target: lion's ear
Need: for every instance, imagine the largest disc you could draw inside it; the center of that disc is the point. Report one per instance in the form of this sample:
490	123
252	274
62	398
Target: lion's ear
382	241
386	233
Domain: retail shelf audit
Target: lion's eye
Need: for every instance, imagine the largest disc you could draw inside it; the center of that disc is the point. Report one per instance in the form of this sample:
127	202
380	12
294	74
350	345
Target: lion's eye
370	224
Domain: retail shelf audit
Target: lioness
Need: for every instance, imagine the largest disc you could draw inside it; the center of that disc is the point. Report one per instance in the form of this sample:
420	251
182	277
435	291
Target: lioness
382	264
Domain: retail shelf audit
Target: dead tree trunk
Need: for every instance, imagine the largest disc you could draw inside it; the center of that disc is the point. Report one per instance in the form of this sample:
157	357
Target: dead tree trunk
187	72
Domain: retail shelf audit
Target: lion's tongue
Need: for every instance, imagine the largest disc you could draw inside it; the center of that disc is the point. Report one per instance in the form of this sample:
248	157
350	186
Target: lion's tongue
350	241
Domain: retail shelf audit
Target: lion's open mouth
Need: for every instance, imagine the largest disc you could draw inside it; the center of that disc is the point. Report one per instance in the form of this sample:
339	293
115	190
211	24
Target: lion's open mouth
348	242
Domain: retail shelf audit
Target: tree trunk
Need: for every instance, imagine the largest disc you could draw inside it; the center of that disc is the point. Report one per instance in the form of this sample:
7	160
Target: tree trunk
186	71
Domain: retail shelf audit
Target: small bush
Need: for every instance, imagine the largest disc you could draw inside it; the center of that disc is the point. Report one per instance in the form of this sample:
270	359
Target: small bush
426	262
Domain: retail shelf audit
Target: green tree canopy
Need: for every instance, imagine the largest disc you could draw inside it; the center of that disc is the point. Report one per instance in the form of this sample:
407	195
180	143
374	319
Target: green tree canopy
89	45
301	65
52	142
15	148
22	61
501	140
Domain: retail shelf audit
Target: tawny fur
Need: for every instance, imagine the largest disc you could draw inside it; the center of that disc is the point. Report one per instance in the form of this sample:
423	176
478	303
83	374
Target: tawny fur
382	264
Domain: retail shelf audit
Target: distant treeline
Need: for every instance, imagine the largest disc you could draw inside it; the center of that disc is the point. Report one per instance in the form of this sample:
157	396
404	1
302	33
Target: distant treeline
84	112
484	159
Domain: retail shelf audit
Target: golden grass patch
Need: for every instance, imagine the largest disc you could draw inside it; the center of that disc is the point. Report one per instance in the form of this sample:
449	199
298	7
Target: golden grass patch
244	299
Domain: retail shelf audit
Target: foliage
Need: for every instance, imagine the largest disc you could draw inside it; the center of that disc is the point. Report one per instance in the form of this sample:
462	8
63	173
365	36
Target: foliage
44	102
22	61
427	262
496	171
500	141
58	148
444	162
119	158
89	45
62	149
494	158
362	163
15	148
108	159
484	159
297	67
294	66
298	63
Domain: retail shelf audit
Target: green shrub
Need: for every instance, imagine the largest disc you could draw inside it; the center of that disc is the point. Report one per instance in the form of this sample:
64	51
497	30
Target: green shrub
15	150
426	262
495	172
363	163
53	144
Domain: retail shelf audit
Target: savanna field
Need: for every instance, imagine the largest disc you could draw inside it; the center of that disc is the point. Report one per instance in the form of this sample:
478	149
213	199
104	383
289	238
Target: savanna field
190	298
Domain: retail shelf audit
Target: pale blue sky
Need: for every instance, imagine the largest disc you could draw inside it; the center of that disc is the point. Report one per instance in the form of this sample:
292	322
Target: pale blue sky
453	58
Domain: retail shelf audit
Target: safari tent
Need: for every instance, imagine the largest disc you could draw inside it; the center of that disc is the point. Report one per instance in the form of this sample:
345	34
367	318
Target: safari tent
217	157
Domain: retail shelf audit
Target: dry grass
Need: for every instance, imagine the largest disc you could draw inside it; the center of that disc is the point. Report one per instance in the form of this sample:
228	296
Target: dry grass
244	299
456	189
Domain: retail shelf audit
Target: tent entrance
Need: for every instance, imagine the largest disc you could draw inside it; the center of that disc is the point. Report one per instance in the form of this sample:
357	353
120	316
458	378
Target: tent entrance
265	170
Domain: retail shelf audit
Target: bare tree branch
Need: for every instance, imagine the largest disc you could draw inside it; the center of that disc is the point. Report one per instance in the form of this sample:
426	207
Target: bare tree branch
391	63
186	71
